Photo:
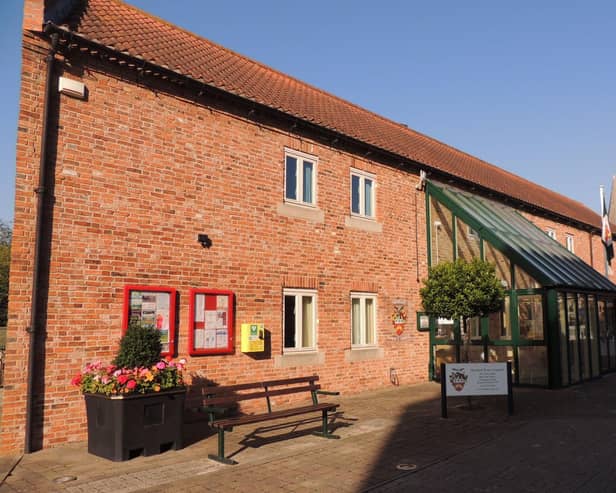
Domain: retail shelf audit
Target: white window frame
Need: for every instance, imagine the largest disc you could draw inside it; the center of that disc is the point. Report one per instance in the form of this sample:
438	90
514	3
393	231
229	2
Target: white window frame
551	233
569	243
363	175
298	294
362	313
300	158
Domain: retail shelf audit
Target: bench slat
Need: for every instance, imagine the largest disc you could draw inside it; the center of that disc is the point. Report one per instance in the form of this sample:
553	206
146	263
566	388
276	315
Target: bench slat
256	418
230	399
257	385
290	381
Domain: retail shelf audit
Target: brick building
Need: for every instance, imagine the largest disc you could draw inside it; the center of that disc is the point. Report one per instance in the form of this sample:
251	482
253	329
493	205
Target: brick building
164	178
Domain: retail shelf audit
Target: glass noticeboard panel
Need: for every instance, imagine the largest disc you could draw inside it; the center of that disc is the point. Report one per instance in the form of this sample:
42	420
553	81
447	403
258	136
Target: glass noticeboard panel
211	322
152	306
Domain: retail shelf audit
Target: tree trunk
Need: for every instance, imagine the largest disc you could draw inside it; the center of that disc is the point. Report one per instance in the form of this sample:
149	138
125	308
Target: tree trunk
467	342
467	353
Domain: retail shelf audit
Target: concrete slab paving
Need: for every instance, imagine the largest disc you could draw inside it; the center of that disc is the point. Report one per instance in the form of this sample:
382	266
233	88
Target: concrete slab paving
391	440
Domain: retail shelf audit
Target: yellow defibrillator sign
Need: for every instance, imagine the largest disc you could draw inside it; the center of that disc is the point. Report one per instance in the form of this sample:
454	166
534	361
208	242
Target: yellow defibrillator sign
253	338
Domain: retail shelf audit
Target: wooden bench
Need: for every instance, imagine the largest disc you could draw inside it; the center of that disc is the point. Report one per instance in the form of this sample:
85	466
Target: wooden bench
219	399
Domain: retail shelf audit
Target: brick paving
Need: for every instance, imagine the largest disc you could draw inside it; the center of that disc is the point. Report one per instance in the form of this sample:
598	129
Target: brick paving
392	440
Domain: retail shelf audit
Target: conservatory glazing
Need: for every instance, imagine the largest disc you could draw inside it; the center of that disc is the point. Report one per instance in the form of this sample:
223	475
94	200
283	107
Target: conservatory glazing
558	321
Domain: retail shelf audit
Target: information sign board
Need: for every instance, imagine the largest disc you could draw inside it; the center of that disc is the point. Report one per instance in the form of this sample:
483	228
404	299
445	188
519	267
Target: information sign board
476	379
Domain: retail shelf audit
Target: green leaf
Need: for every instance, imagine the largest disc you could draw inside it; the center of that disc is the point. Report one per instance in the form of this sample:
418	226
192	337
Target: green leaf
460	290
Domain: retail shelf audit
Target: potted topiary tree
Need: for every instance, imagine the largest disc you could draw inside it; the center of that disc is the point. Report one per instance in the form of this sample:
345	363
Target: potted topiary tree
134	405
461	290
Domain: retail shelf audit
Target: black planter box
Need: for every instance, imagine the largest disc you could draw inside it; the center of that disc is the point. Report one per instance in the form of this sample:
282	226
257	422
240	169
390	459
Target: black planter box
123	427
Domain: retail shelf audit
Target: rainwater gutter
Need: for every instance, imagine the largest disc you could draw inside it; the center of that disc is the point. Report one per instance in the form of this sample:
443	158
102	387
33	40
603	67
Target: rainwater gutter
33	329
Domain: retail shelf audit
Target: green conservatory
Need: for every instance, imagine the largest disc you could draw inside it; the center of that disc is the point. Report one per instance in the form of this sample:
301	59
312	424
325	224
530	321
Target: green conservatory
558	322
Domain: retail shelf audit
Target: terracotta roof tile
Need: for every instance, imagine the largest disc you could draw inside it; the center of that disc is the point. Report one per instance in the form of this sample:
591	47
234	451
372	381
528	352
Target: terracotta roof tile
129	30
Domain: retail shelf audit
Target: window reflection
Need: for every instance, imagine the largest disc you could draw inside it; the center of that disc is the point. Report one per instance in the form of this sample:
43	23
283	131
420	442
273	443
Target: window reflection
574	355
530	316
564	341
603	345
583	334
467	241
523	280
498	323
441	233
594	336
501	263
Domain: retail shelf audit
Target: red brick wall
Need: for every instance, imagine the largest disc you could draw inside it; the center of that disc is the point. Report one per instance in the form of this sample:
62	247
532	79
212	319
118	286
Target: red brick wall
28	145
139	173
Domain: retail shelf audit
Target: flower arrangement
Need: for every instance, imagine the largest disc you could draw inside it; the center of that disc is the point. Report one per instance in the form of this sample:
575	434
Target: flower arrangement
136	369
98	378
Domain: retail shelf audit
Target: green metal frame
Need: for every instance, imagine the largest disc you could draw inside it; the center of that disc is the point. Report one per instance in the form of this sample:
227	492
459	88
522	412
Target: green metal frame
551	339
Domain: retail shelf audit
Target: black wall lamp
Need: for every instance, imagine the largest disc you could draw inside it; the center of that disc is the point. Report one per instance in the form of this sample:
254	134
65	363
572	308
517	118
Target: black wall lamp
204	240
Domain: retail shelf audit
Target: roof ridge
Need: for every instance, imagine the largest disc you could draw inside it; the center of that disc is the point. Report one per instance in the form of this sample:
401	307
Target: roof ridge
269	68
313	104
279	73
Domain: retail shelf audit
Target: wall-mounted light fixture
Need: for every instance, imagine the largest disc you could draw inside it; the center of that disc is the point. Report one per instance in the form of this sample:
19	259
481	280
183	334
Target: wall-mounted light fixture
204	240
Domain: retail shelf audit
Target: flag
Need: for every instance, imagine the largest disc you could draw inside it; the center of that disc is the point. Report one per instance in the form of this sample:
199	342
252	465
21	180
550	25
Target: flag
606	235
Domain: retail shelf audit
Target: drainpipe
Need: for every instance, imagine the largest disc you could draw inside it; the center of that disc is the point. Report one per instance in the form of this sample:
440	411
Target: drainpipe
33	329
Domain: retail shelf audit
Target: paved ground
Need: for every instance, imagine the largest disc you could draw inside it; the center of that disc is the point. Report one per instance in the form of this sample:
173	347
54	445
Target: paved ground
392	440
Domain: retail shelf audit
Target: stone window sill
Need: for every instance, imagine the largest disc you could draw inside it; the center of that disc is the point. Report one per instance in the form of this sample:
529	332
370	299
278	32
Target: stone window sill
363	354
290	360
296	211
364	224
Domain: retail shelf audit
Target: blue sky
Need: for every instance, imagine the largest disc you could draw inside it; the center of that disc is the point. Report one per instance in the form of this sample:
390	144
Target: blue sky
528	86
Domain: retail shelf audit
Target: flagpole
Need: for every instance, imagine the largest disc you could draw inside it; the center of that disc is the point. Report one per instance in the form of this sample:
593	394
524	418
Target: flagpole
602	195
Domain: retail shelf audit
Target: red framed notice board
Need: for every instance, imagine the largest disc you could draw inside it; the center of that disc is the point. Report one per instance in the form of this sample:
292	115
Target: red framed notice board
211	322
153	306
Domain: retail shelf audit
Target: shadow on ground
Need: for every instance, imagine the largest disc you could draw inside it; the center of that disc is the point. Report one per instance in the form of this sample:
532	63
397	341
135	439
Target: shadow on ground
426	451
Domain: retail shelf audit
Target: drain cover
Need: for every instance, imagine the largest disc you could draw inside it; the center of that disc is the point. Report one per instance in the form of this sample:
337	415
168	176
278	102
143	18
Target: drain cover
406	467
64	479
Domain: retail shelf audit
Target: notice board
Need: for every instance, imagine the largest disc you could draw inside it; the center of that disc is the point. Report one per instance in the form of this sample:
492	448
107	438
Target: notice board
211	322
152	306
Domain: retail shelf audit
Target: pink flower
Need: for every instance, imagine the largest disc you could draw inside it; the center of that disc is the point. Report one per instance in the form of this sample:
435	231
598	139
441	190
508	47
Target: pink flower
131	384
161	365
122	379
76	380
105	380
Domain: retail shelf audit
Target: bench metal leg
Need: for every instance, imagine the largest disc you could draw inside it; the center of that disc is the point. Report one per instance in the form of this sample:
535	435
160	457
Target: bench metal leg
324	431
221	450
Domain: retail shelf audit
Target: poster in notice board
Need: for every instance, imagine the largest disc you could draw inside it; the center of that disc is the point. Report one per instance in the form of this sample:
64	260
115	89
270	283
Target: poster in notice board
152	306
211	322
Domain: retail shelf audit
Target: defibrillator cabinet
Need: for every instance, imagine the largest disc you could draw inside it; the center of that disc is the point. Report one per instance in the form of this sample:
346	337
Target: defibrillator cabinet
253	338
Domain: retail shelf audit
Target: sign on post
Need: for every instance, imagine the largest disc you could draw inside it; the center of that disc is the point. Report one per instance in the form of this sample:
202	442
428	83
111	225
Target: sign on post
468	379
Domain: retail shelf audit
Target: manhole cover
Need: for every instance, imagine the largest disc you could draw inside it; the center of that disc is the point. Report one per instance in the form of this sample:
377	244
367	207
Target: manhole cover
406	467
64	479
